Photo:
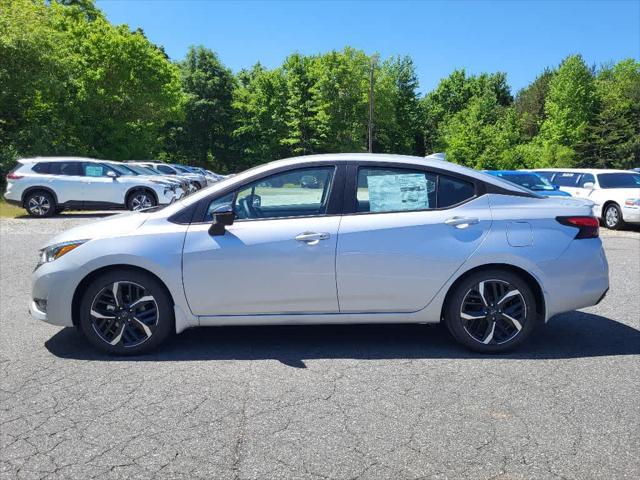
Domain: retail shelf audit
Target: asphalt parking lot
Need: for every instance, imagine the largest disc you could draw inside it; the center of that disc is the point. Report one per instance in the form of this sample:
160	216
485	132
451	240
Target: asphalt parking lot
348	402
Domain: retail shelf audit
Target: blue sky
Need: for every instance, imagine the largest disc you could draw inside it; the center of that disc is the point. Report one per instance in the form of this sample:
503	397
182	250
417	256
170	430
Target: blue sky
517	37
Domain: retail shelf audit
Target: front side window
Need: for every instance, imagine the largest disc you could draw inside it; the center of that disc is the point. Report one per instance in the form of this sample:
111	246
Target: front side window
295	193
587	178
619	180
94	170
165	169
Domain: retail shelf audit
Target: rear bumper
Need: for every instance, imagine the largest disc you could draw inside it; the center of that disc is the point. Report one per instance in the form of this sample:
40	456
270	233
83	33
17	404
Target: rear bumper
10	201
579	278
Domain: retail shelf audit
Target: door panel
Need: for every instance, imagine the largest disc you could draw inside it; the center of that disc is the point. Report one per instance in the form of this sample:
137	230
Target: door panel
397	262
99	187
258	267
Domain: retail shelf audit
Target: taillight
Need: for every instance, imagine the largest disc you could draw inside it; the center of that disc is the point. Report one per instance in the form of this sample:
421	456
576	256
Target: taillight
13	176
588	227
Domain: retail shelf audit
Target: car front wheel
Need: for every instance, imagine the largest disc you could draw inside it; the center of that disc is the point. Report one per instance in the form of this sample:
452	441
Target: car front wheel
141	200
126	312
491	311
613	217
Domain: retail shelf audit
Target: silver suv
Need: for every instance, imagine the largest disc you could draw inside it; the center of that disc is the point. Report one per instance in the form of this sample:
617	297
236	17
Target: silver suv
47	185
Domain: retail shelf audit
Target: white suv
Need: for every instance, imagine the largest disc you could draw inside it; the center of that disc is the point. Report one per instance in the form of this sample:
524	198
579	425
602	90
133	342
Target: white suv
47	185
615	193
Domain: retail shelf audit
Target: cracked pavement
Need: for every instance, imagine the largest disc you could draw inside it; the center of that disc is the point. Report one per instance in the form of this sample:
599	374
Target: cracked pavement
321	402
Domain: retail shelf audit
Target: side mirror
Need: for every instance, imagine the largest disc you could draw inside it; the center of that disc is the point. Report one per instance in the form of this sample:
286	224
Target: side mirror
223	216
112	174
588	185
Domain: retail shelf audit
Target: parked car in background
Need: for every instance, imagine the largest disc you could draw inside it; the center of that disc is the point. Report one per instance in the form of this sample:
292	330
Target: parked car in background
208	174
134	169
615	193
171	182
384	239
198	181
529	180
47	185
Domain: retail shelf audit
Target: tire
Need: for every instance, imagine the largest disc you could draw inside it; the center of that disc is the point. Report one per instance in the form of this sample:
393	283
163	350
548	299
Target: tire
612	217
127	326
489	326
40	203
140	200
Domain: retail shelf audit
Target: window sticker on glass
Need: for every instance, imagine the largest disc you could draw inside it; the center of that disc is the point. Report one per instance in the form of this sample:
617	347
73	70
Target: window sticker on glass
93	171
388	193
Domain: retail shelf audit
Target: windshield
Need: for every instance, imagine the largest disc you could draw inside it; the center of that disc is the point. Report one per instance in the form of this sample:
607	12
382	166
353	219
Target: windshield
140	170
121	169
619	180
181	169
531	181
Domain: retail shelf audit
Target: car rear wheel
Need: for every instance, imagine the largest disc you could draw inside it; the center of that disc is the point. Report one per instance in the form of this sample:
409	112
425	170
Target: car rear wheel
141	200
40	204
126	312
491	311
613	217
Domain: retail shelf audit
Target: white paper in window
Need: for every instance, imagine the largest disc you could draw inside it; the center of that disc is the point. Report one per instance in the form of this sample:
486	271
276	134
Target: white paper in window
389	193
93	171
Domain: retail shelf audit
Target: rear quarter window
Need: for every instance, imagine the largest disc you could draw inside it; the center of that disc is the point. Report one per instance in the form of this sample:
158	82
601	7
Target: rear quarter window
452	191
40	167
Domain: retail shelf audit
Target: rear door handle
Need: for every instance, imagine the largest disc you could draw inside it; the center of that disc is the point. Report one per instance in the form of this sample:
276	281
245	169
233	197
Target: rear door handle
461	222
312	238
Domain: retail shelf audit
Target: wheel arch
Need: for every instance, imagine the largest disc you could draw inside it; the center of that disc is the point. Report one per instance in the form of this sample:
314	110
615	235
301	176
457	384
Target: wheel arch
526	276
606	204
36	188
139	188
86	280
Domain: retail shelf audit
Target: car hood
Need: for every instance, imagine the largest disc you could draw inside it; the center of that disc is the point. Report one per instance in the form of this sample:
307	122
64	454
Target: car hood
109	227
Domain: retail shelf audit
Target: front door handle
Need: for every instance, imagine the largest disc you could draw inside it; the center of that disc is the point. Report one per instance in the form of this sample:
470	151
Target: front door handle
312	238
461	222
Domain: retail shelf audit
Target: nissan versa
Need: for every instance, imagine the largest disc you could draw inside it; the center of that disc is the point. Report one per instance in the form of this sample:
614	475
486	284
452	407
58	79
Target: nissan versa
346	238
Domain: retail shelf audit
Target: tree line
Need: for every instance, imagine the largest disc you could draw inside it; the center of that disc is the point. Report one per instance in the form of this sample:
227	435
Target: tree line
71	83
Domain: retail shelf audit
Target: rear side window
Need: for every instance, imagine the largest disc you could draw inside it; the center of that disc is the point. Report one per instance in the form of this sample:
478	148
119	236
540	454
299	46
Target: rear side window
395	190
566	179
452	191
65	168
41	167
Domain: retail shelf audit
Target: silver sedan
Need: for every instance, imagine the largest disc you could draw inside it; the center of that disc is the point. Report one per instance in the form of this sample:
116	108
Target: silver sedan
345	238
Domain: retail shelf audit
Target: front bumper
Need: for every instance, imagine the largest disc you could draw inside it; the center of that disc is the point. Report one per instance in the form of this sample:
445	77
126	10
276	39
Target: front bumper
54	283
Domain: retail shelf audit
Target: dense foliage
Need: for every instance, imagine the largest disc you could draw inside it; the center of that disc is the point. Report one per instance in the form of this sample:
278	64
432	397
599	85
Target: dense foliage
71	83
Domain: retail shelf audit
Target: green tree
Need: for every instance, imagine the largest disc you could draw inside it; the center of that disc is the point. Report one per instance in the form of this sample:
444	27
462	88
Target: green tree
613	137
571	103
204	137
529	104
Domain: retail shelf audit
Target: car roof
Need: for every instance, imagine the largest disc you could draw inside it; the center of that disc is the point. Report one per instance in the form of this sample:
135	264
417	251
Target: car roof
60	159
580	170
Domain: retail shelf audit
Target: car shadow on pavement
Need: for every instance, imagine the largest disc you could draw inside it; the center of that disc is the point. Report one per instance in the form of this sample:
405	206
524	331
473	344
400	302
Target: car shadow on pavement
571	335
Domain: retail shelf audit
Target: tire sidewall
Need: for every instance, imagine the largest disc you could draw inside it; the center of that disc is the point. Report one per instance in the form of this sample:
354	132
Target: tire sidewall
618	211
41	193
455	323
165	311
137	192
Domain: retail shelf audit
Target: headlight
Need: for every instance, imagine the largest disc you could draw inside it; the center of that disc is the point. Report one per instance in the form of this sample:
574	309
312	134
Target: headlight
53	252
632	202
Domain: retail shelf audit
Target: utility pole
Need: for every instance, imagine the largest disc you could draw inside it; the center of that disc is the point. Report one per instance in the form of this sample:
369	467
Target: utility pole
374	61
